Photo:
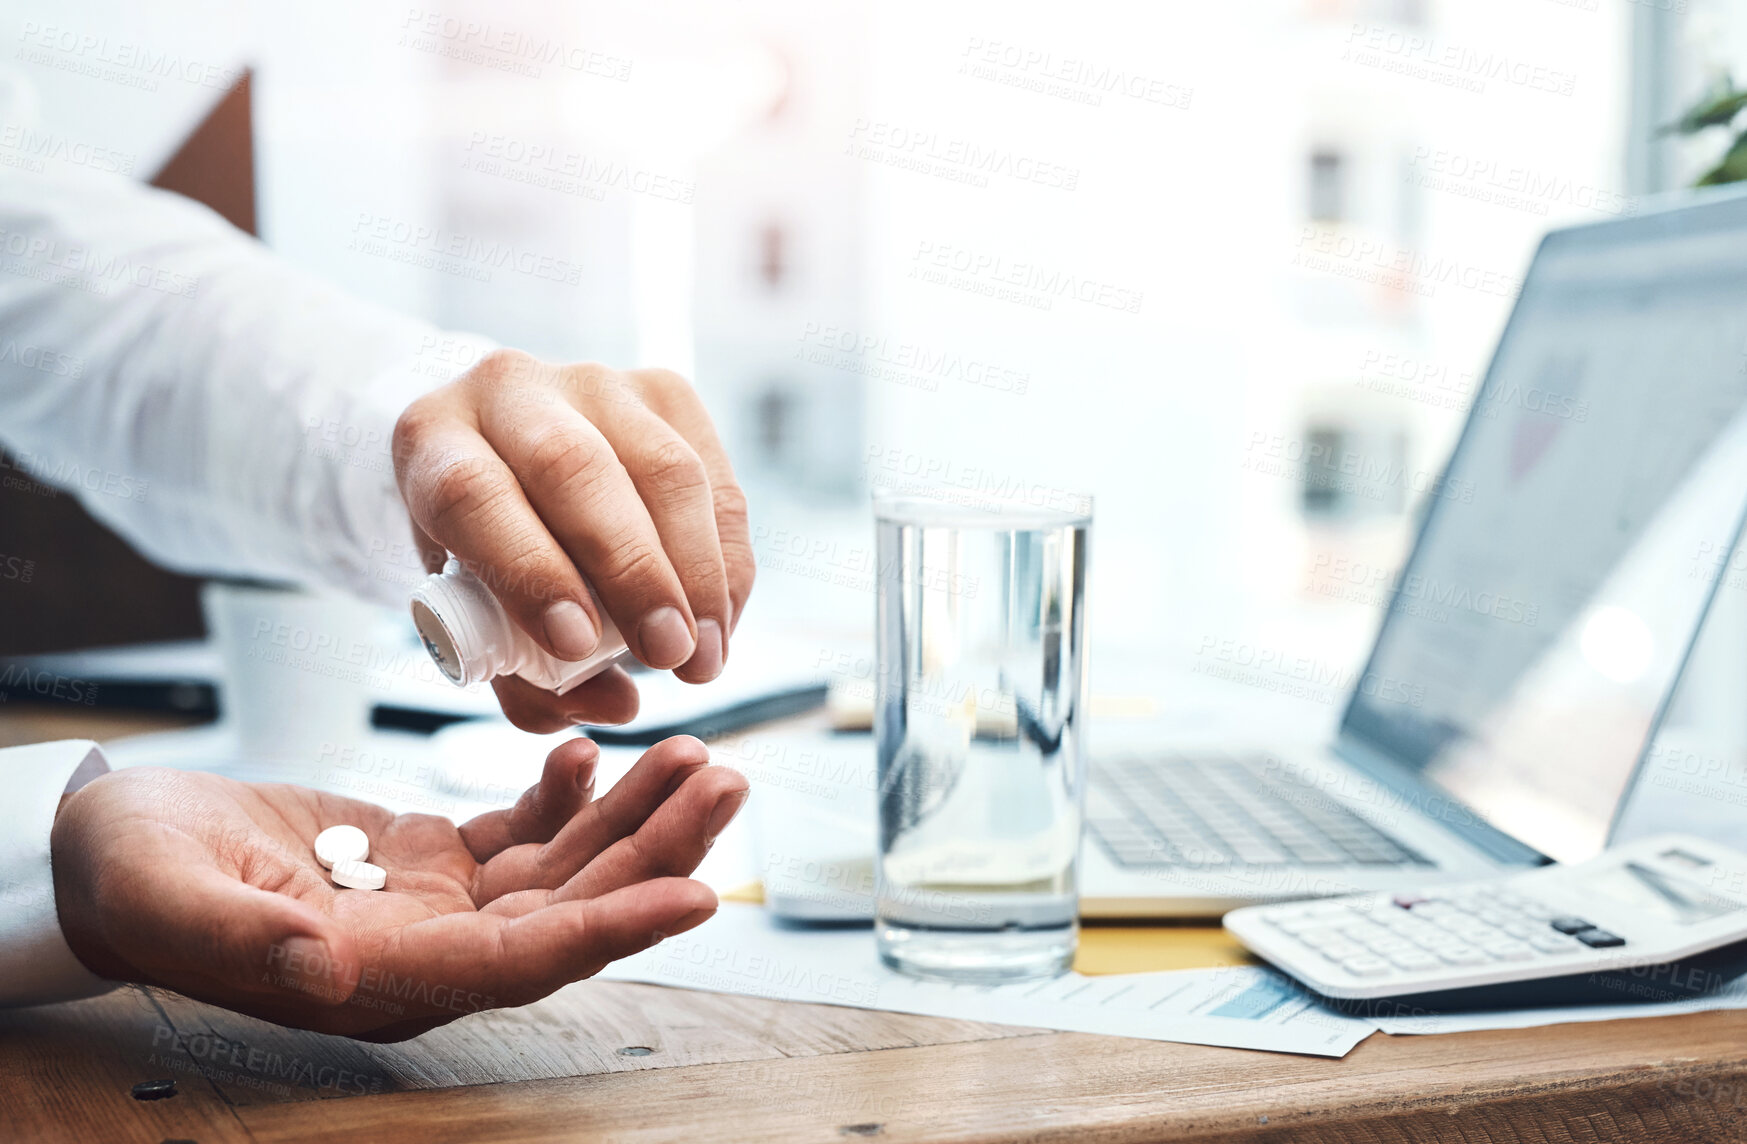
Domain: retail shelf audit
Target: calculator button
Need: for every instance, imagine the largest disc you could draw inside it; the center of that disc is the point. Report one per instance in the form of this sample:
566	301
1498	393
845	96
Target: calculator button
1422	934
1340	950
1473	932
1414	959
1570	924
1520	930
1461	955
1298	914
1365	966
1508	951
1599	938
1329	911
1554	943
1293	925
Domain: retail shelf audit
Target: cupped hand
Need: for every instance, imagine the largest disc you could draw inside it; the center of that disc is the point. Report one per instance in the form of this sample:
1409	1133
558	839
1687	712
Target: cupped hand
536	476
210	887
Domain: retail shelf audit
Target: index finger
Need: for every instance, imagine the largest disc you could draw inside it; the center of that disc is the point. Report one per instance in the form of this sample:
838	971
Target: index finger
602	822
464	497
566	784
584	496
677	403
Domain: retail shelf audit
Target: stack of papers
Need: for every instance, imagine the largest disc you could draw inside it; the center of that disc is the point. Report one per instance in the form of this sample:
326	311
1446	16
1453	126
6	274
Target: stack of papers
741	950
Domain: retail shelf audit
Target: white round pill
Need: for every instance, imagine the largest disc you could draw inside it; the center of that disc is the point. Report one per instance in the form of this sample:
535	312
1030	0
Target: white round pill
341	844
359	875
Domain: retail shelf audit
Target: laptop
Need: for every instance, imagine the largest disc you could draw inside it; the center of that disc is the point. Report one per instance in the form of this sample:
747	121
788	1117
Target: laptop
1562	569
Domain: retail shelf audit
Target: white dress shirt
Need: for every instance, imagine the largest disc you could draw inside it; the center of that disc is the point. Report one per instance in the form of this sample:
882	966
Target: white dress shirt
221	410
35	963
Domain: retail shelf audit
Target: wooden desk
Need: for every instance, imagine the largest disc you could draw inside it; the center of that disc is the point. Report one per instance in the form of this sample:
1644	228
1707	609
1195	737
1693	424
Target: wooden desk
614	1061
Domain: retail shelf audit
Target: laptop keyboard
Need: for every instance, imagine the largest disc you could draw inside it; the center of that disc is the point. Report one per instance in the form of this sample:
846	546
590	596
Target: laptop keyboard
1215	810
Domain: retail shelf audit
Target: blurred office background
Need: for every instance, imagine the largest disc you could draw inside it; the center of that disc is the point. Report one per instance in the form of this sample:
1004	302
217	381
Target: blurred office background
1231	269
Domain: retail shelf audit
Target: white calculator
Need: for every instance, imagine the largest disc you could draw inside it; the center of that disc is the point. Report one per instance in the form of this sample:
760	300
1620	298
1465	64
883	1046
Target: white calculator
1656	919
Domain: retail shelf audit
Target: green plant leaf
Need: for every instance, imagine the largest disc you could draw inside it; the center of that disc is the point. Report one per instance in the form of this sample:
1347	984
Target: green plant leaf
1732	168
1717	109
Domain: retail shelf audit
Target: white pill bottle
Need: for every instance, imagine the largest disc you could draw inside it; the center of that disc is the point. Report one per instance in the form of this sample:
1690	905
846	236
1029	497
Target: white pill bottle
472	639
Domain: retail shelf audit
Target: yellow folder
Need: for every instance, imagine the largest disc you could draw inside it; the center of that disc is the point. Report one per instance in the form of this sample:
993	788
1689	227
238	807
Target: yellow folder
1111	948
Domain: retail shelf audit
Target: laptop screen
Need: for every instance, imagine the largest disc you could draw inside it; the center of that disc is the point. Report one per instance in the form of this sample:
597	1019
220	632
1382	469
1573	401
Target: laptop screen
1568	556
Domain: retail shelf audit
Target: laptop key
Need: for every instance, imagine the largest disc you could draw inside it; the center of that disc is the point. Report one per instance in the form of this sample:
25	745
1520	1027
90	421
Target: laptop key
1225	811
1259	854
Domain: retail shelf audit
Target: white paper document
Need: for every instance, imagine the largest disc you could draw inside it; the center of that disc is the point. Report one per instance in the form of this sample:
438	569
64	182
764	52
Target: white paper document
741	950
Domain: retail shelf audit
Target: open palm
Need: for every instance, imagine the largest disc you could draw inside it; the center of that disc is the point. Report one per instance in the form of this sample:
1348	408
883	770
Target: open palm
210	887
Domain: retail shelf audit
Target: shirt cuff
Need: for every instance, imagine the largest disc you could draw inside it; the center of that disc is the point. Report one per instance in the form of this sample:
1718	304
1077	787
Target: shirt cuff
381	562
36	964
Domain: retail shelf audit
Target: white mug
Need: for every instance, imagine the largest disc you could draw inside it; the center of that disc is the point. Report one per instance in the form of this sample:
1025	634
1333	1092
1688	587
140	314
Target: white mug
301	674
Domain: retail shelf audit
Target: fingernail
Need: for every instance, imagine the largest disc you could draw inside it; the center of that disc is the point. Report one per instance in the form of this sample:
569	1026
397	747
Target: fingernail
706	662
726	808
664	638
570	632
585	778
595	719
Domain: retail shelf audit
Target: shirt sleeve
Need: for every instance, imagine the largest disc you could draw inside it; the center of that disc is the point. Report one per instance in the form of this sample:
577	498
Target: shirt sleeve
223	411
36	964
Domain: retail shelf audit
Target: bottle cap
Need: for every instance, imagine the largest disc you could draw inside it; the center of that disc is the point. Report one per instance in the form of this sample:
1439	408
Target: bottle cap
446	611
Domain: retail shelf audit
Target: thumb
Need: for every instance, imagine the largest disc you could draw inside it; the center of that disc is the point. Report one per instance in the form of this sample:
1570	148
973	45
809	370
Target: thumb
218	932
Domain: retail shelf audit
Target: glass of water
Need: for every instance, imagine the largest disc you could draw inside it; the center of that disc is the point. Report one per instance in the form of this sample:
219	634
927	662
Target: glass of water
979	717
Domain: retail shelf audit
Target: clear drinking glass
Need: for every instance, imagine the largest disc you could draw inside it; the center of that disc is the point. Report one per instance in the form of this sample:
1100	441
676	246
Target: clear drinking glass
979	720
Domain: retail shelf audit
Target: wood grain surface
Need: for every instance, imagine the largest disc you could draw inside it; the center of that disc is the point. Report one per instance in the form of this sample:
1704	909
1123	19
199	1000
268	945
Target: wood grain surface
617	1061
1666	1080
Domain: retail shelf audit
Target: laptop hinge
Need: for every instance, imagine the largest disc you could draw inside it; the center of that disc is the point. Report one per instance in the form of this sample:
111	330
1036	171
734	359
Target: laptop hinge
1414	794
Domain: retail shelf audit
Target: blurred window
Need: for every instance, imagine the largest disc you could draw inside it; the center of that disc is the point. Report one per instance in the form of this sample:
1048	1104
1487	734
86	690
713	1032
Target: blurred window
1328	173
773	252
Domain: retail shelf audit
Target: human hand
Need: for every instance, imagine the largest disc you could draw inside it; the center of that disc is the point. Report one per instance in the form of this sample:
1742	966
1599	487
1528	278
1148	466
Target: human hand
538	475
210	887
